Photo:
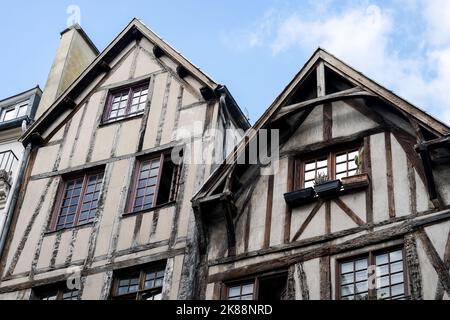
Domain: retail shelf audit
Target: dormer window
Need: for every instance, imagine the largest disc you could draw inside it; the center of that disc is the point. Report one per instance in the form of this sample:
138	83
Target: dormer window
126	102
16	111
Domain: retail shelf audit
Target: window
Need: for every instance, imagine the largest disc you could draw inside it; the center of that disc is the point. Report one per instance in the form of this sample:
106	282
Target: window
346	164
335	165
139	284
78	200
55	292
13	112
126	102
388	273
155	183
266	287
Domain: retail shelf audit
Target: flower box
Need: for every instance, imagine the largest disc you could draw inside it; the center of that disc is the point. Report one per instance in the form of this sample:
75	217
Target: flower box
299	197
328	188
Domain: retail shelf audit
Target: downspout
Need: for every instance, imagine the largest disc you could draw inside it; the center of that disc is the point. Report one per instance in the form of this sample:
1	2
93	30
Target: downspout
14	196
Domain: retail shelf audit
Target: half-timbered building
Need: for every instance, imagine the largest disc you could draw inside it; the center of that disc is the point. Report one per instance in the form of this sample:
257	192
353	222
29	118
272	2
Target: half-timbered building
356	207
104	211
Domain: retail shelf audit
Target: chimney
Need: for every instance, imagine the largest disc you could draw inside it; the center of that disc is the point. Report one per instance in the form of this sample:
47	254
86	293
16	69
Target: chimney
75	52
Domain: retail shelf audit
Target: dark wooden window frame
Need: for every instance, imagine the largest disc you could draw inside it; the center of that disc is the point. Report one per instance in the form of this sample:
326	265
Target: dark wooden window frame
370	255
142	271
255	279
175	181
59	288
60	196
130	88
329	153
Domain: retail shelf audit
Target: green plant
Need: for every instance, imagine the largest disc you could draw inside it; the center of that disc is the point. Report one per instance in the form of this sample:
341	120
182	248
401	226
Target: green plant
321	178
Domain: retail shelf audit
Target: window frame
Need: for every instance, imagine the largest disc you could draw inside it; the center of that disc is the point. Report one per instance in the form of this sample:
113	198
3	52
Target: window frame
15	109
142	271
255	279
130	88
60	198
174	187
370	255
330	155
59	288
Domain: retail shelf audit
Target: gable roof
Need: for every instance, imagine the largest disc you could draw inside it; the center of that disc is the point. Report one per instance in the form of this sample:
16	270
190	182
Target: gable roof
134	30
368	86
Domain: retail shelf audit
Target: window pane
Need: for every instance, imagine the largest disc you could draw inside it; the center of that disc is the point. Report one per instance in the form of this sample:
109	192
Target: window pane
381	259
9	114
310	166
347	278
341	168
362	287
247	289
383	282
395	256
347	290
361	264
397	266
347	267
310	175
234	291
341	158
397	278
361	275
397	290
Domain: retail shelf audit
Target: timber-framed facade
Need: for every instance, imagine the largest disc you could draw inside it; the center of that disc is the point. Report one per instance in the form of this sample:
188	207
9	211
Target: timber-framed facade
356	206
359	207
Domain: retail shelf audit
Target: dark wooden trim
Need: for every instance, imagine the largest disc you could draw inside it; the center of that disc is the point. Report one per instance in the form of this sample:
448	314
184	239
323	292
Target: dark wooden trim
412	187
302	279
414	272
389	174
440	289
435	260
319	240
325	278
327	121
352	215
327	217
269	205
368	169
290	286
291	174
308	220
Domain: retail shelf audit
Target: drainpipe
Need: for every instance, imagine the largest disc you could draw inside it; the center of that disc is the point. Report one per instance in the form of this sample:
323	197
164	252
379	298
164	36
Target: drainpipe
14	196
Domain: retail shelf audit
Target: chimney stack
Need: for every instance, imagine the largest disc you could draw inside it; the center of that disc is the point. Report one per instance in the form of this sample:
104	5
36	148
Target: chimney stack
75	52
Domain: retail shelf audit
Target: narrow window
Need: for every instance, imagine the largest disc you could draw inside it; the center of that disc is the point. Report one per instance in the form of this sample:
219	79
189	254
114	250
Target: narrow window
156	182
388	270
244	291
139	283
78	200
55	292
126	102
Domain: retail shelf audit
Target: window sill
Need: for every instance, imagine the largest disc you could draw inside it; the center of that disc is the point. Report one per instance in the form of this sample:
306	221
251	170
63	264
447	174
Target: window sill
109	122
80	226
164	205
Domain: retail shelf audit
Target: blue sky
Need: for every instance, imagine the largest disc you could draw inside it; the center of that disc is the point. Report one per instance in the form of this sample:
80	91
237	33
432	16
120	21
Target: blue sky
253	47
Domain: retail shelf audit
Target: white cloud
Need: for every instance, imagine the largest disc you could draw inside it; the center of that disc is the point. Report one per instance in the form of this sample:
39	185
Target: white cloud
437	14
367	37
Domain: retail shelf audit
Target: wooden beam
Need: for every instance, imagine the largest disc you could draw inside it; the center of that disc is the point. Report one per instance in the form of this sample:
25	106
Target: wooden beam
327	249
440	288
352	215
325	278
368	169
320	71
435	260
341	95
301	276
308	220
389	174
288	211
413	263
327	121
269	204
